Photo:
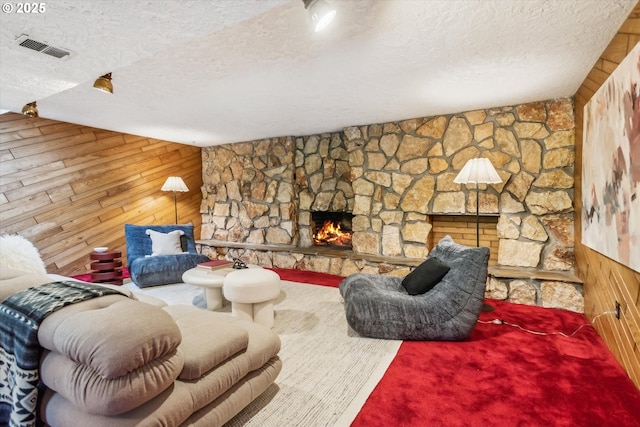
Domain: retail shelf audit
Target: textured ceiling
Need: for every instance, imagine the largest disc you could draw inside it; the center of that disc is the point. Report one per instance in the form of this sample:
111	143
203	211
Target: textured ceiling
220	71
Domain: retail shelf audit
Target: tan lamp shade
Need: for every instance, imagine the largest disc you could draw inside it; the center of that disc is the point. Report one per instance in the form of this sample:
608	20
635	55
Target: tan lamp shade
175	183
478	171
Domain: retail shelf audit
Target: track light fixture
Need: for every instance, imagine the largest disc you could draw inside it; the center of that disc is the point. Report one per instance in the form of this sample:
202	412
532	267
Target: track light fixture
30	110
104	84
321	13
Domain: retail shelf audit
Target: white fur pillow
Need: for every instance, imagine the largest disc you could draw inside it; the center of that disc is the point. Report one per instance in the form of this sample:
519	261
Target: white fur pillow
165	244
18	253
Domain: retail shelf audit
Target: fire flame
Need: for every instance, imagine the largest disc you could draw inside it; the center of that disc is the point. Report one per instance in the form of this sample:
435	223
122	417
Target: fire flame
332	234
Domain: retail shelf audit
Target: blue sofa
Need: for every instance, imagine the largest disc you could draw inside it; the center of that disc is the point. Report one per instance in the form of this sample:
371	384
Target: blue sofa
147	270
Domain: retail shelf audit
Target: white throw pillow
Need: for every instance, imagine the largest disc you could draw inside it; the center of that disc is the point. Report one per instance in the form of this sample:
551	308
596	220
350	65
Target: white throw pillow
165	243
18	253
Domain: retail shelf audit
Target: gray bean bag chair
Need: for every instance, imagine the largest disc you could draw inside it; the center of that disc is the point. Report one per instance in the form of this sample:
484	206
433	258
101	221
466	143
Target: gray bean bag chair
380	306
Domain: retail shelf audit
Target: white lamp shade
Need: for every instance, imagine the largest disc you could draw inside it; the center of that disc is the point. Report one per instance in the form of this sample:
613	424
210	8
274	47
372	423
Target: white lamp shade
478	171
321	13
175	183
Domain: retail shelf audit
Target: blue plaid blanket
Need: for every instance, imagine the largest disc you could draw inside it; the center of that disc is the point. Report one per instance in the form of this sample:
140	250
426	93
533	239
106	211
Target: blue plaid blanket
20	318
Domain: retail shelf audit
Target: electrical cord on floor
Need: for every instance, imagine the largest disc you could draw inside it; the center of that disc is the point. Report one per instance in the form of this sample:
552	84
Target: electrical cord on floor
502	322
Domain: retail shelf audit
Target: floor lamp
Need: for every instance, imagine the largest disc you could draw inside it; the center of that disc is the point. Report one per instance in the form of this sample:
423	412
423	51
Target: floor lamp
175	184
478	171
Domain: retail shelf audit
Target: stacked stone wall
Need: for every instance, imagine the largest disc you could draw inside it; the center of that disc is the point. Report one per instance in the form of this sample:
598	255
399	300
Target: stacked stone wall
392	176
544	293
248	192
322	179
402	172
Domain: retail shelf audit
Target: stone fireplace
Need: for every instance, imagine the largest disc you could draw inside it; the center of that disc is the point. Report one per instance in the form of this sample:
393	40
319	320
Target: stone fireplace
259	198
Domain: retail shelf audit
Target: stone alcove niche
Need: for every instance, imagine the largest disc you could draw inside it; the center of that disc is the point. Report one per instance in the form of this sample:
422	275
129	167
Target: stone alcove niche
462	228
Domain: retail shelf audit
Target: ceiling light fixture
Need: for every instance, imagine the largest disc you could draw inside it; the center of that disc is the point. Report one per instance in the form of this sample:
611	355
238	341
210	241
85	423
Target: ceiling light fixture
30	110
321	13
104	84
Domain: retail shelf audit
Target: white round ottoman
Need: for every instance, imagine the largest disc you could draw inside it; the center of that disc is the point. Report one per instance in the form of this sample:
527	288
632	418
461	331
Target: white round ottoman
251	292
212	284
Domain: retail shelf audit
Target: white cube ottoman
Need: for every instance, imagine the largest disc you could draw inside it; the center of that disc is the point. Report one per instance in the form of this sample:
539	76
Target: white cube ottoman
251	292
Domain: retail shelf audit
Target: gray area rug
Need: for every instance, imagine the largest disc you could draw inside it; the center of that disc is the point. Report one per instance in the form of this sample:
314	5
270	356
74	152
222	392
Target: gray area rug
327	370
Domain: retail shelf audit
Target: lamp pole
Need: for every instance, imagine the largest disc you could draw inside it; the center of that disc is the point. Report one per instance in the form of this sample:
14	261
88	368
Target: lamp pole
175	205
477	216
479	170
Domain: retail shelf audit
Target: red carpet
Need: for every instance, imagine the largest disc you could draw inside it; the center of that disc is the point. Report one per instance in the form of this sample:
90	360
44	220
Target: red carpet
502	376
303	276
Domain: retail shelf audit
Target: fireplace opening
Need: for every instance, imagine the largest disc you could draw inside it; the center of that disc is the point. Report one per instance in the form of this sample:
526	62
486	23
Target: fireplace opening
332	229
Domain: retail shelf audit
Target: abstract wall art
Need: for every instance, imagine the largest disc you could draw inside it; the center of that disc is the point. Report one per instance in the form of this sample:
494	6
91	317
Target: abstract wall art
611	166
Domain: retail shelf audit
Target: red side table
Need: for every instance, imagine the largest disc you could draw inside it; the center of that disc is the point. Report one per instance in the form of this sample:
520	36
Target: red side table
107	267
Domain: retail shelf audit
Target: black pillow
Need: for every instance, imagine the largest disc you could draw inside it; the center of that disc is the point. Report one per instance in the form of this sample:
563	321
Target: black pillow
425	276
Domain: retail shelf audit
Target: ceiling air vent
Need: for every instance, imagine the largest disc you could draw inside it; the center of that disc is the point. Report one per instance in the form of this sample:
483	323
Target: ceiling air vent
29	43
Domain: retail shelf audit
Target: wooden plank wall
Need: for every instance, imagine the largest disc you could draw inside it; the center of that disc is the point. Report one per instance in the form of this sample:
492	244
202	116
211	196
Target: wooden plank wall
606	281
69	188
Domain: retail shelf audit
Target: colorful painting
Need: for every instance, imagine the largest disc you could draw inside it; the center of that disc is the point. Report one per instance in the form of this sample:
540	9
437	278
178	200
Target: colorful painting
611	166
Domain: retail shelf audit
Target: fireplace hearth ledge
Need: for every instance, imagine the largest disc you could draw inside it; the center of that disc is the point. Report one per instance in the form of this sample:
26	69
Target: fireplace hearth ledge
312	250
494	270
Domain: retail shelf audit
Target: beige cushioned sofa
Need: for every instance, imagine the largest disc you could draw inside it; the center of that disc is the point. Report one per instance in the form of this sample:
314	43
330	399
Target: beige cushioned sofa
118	361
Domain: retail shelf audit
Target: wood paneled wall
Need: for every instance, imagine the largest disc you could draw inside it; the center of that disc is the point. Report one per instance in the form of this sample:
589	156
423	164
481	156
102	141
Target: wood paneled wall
69	188
606	281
